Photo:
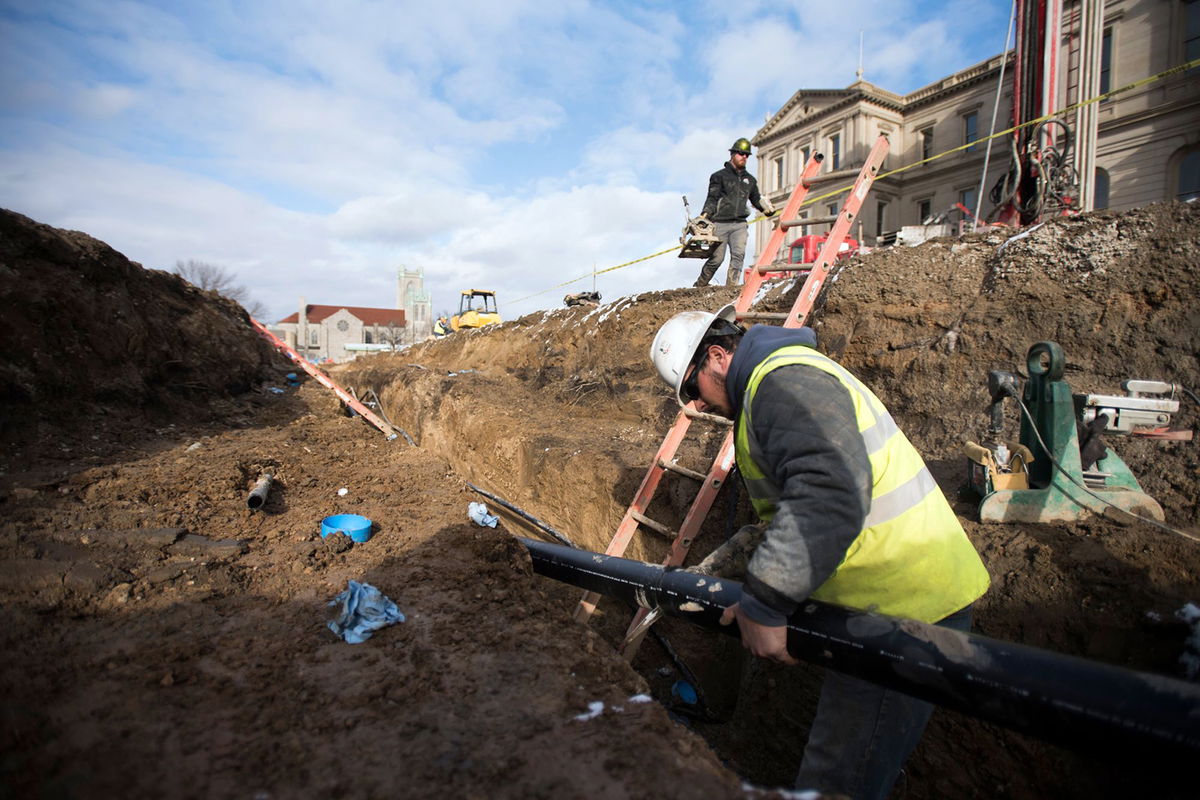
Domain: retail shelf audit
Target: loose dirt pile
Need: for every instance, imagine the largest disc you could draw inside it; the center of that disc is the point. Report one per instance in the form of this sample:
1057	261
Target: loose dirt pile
94	341
161	639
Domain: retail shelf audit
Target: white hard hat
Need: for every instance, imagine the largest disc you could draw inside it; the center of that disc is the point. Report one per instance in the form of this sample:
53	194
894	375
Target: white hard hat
676	343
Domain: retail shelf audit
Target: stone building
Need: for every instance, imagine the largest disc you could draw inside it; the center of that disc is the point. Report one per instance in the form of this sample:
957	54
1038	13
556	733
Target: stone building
1146	146
342	333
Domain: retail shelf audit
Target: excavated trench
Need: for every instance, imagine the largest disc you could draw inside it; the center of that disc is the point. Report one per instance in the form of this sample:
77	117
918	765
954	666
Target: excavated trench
560	414
165	640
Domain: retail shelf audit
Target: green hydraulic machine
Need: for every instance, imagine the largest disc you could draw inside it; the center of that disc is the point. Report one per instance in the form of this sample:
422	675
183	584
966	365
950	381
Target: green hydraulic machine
1061	471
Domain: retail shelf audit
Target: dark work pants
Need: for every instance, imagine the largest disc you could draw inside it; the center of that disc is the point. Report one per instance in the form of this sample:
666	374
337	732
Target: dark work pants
863	733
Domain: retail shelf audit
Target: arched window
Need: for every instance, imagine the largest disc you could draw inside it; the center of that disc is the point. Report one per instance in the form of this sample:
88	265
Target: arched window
1187	186
1100	189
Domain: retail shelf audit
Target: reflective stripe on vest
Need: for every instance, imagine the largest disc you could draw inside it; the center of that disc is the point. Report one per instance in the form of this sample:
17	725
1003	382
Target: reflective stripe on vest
912	557
905	488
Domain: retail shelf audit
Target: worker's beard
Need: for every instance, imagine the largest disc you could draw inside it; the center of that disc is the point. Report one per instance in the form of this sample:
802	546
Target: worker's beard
724	408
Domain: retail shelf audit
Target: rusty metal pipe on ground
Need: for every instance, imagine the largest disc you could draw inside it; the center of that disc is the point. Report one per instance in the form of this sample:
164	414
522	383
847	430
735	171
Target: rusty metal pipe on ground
1081	704
258	495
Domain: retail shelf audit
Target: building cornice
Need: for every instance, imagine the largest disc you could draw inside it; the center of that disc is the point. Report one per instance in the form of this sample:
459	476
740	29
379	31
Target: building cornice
958	81
864	92
857	94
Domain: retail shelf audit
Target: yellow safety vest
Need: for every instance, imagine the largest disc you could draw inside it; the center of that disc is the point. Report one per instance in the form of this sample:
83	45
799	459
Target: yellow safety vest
912	559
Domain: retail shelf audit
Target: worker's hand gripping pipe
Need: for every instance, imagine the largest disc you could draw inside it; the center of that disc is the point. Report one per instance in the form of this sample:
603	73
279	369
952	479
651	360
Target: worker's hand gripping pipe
1082	704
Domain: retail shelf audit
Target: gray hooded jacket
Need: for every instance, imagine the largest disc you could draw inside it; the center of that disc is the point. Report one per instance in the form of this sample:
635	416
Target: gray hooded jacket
805	420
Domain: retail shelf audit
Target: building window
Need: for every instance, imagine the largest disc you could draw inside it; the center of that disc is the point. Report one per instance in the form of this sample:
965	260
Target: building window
1100	189
880	214
967	198
970	129
368	338
833	210
926	135
314	336
1106	62
778	163
924	210
1189	176
835	151
804	153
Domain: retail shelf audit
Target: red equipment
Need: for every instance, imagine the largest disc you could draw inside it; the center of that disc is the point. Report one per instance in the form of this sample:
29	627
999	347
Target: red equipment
804	249
1041	180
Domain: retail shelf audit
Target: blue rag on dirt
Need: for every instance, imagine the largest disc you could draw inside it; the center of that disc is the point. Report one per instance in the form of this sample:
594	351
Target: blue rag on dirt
364	610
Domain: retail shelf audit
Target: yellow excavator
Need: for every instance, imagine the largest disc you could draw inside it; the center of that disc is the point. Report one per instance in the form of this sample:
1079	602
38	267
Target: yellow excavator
476	308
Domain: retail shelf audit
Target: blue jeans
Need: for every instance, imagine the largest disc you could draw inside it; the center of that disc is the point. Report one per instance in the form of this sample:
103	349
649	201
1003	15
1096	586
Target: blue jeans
733	237
863	733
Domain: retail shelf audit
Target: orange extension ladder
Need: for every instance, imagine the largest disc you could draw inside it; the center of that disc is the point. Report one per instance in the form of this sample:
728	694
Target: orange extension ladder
326	381
664	459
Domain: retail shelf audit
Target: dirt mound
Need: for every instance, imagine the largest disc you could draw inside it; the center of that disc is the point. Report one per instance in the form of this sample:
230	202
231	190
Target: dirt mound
93	340
163	639
1116	292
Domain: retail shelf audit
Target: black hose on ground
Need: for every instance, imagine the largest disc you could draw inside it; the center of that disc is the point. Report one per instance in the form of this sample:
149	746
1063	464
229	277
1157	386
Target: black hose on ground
562	537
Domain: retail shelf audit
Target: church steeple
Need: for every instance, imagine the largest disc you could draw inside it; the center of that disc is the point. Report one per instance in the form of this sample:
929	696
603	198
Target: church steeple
412	297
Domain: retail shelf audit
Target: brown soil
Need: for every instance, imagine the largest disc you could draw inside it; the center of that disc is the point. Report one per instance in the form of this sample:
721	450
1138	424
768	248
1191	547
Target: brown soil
163	640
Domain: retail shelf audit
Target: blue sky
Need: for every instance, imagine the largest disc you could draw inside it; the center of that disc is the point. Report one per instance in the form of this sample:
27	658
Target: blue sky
312	148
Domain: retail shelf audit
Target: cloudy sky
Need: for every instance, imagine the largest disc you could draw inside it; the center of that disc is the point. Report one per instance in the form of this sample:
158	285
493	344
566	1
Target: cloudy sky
313	148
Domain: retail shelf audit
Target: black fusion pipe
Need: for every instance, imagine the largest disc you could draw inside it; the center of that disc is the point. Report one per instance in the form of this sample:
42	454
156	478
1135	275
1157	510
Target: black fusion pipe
1082	704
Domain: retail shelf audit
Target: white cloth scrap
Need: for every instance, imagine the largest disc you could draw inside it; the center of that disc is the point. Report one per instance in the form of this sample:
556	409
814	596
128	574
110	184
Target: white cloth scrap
479	515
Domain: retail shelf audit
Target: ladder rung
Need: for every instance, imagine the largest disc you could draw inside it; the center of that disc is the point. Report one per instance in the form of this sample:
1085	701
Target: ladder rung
766	316
713	418
798	221
836	175
689	473
777	267
653	525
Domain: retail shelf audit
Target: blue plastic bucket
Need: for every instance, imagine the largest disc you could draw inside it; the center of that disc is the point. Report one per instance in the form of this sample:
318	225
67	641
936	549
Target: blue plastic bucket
358	528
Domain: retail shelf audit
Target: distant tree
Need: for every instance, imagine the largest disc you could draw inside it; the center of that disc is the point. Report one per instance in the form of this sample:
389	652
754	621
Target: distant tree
215	278
392	334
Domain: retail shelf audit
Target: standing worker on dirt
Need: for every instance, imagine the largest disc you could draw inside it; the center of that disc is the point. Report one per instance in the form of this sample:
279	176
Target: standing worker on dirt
851	516
728	190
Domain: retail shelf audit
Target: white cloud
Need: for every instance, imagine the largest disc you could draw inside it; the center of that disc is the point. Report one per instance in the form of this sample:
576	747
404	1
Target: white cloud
412	212
105	100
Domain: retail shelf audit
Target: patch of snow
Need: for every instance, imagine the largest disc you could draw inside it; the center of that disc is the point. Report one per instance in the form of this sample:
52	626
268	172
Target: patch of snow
595	709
